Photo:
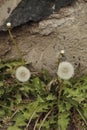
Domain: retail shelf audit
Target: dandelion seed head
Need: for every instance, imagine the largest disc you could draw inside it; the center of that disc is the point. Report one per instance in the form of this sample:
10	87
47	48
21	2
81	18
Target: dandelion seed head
65	70
22	74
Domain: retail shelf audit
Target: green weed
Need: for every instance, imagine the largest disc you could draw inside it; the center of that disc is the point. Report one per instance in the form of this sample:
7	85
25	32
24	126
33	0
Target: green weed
42	103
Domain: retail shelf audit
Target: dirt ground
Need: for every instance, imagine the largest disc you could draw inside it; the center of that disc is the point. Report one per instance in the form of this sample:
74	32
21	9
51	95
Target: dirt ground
42	42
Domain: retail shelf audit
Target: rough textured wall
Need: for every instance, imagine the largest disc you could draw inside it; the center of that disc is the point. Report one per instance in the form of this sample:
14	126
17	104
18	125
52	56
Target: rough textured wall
19	12
41	42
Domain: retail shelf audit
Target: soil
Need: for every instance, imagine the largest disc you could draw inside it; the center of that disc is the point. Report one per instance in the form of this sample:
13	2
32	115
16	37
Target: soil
42	42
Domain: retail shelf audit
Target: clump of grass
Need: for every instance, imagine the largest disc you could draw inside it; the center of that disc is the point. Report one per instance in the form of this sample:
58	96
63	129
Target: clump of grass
42	102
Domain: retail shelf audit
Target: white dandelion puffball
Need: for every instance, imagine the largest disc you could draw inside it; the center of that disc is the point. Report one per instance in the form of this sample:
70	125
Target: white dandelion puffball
22	74
8	25
65	70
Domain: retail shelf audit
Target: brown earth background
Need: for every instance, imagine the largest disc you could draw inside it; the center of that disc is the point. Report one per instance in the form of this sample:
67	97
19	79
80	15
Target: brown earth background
42	42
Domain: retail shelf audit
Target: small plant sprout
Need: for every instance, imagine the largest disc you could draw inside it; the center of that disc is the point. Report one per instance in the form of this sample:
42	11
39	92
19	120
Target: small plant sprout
8	25
65	70
22	74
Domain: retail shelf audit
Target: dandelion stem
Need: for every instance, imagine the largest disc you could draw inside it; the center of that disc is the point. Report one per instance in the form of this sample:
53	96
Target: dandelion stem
36	122
59	93
45	119
82	116
16	45
14	113
30	119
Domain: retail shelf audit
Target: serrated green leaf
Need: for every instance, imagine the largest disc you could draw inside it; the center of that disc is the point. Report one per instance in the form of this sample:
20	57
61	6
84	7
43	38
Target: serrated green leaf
63	120
1	91
50	97
2	113
13	128
1	83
